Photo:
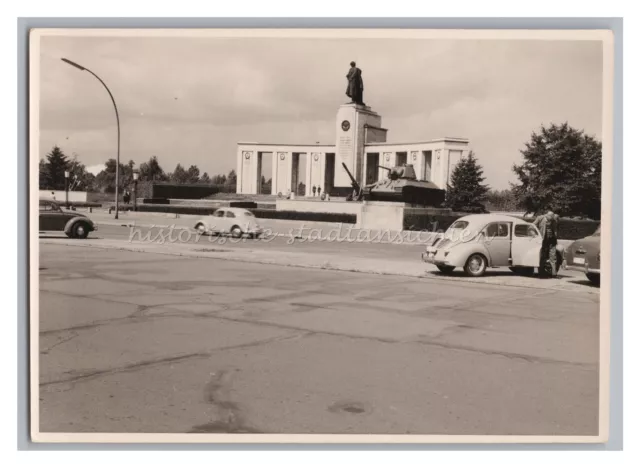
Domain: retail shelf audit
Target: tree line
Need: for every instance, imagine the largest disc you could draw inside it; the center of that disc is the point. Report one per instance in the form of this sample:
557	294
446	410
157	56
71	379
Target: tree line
561	171
54	165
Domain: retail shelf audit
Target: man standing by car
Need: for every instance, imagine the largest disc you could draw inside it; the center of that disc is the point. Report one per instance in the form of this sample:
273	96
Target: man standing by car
548	227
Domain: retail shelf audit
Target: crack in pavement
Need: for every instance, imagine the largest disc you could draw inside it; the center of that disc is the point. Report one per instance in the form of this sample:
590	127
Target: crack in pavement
131	367
168	360
509	355
58	343
229	417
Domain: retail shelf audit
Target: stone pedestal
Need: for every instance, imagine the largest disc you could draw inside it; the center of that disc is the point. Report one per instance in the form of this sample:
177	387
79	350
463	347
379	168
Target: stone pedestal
356	125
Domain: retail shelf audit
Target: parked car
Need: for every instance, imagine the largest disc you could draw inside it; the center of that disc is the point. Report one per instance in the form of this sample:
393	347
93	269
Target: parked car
234	221
584	255
481	241
53	218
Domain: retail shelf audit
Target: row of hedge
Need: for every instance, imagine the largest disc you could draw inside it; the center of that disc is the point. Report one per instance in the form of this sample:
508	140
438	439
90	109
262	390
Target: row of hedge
263	213
187	191
62	204
569	229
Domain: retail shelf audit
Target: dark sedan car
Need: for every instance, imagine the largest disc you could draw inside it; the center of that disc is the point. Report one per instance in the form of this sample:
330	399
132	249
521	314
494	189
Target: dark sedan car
584	255
53	218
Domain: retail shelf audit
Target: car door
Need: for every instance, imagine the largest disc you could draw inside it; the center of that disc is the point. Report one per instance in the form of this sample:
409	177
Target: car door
525	245
230	220
218	221
46	217
497	240
52	218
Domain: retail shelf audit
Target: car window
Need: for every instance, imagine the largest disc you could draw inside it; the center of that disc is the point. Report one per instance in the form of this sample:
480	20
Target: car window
248	213
47	206
219	214
230	214
524	230
459	225
497	230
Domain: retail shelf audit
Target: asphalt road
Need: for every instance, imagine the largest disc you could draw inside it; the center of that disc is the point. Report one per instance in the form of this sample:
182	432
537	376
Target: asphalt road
140	342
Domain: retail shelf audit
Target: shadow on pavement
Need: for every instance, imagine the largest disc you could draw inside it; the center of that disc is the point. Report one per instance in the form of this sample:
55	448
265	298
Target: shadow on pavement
584	282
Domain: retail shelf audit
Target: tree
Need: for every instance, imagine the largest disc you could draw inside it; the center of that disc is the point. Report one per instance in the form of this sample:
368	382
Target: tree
44	179
193	174
501	200
231	178
562	171
55	166
80	178
179	175
105	181
151	171
219	179
205	179
230	182
466	190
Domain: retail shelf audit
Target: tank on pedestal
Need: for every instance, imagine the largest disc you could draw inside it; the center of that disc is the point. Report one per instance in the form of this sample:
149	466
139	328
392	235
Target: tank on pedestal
401	185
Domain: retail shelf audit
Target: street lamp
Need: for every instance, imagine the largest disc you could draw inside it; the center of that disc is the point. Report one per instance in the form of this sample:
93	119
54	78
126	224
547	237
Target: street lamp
80	67
66	189
136	174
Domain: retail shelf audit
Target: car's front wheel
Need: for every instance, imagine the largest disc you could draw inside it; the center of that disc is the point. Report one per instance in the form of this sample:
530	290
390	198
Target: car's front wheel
476	265
594	278
80	230
200	228
445	268
236	232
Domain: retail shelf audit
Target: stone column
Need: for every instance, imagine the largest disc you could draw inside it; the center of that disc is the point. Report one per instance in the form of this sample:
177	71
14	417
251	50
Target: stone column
239	170
274	172
247	175
308	175
350	141
282	169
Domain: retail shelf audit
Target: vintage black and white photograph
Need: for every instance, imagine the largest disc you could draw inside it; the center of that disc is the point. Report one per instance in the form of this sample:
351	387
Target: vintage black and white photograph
320	235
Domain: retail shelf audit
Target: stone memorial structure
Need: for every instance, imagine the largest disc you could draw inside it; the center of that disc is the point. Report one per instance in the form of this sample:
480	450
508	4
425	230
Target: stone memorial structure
361	144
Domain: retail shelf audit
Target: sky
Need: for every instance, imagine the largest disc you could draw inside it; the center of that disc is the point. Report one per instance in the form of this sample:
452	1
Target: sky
190	100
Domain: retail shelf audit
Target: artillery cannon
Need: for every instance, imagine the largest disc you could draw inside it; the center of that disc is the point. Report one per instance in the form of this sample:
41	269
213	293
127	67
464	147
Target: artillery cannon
401	185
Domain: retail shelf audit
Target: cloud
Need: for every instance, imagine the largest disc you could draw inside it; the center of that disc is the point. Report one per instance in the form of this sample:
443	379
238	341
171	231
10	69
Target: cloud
95	169
190	100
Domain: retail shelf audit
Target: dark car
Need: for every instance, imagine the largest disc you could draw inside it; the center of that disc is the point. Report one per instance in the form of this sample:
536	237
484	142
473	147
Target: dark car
53	218
584	255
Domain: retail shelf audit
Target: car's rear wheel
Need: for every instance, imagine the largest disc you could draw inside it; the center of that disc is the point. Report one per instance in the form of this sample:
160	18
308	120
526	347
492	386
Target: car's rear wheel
476	265
236	232
594	278
445	268
200	228
80	230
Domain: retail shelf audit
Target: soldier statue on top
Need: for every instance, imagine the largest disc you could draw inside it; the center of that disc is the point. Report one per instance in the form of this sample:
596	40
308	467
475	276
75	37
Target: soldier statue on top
355	86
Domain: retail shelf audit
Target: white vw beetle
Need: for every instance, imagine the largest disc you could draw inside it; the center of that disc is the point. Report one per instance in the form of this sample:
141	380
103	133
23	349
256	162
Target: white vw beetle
478	242
234	221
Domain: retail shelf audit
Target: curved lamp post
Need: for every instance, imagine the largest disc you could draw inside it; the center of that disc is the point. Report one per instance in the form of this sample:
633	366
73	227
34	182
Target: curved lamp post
80	67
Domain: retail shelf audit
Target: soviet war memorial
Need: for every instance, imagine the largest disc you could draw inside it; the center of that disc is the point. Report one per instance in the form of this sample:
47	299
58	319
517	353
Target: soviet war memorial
408	242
